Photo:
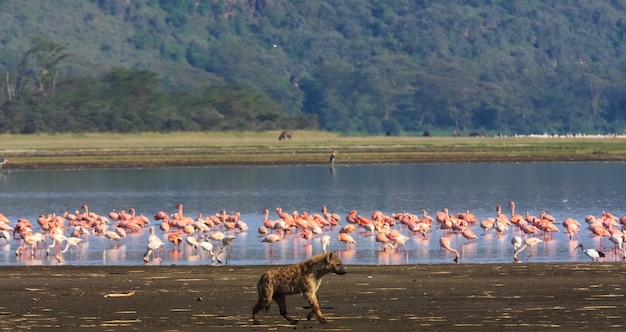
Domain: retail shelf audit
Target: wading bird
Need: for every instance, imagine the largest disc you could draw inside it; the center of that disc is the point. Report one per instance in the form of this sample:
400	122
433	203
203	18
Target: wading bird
444	242
530	242
592	253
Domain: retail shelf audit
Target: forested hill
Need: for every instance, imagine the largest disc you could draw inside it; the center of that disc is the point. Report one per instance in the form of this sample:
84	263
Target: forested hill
405	66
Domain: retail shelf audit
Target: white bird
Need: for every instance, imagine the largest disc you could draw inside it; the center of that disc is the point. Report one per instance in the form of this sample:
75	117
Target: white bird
618	239
192	242
207	246
201	227
325	242
154	246
530	242
228	240
592	253
5	235
217	236
120	231
32	241
516	241
71	242
153	237
57	239
113	236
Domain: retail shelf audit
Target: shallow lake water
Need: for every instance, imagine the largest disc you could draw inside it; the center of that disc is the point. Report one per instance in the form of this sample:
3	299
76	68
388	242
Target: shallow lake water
561	189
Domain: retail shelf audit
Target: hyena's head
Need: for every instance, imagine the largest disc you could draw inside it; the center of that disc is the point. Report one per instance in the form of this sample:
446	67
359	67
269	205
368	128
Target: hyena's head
334	264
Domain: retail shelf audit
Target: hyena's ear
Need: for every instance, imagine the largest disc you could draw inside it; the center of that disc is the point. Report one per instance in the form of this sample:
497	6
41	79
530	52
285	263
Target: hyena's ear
329	256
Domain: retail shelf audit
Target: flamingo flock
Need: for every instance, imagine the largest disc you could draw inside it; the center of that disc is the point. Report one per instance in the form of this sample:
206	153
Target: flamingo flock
212	237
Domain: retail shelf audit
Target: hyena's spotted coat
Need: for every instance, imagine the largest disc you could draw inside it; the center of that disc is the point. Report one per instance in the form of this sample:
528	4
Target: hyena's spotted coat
304	277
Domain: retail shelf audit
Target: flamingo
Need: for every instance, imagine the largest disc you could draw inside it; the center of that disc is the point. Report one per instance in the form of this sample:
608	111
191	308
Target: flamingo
617	237
153	246
501	218
113	236
346	239
153	237
182	218
600	231
530	242
571	226
468	234
206	246
348	228
515	218
516	241
400	240
217	236
56	234
333	218
273	238
325	240
381	237
592	253
5	235
192	242
72	242
176	239
444	242
32	241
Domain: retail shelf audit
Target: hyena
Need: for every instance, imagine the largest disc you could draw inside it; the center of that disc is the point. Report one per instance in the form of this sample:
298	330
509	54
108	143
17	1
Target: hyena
304	277
284	135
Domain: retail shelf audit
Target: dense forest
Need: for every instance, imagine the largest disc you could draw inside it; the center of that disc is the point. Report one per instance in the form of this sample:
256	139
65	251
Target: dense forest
353	66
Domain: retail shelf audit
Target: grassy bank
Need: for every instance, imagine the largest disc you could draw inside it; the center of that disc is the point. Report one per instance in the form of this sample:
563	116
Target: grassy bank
305	147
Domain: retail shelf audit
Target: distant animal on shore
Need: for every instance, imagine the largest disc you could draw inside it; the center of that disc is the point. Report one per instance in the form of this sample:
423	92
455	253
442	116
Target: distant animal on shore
304	277
284	135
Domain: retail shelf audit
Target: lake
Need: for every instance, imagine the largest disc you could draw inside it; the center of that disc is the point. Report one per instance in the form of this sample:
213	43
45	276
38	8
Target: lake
561	189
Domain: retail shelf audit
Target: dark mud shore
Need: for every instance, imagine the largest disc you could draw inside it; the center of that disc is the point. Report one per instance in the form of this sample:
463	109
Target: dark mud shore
485	297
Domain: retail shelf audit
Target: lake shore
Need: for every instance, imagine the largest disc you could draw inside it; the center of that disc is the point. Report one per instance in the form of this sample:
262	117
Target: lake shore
468	297
146	150
444	297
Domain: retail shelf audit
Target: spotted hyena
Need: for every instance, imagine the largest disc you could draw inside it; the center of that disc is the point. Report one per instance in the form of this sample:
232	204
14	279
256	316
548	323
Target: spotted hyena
304	277
284	135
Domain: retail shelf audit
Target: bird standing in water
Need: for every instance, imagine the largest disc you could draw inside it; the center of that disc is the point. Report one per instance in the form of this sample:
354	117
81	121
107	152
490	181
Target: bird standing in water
592	253
530	242
332	157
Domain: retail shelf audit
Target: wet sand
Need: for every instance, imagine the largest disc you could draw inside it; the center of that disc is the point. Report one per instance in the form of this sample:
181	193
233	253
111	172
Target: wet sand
445	297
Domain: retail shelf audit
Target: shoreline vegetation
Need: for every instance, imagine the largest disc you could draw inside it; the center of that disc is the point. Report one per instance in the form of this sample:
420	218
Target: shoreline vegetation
196	149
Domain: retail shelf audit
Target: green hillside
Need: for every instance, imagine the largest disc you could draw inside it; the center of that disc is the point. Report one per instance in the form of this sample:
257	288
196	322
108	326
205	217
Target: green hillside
501	66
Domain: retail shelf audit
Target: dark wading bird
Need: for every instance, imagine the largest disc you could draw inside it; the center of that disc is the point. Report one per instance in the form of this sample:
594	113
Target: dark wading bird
332	157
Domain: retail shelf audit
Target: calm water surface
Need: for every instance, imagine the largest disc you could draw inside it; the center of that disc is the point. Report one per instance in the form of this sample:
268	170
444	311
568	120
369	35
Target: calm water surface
561	189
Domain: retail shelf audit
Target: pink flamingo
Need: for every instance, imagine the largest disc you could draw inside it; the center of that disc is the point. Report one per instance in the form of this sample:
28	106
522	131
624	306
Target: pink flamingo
468	234
515	218
346	239
444	242
176	239
273	238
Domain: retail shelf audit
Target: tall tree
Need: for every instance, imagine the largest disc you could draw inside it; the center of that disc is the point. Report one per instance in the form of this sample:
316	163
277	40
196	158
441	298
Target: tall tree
40	63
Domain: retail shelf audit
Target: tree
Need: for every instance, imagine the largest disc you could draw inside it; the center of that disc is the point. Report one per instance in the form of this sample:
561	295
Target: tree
39	62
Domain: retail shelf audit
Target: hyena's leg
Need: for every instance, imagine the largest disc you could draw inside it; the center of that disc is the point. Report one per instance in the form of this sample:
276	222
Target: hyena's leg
265	299
255	312
281	299
316	308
